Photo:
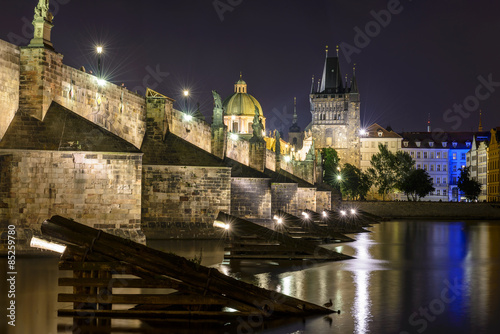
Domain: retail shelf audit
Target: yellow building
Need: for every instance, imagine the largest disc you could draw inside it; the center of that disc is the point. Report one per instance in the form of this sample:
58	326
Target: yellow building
493	167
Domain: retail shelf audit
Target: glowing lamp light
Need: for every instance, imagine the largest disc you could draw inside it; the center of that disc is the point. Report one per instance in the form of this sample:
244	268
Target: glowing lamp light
101	82
362	132
186	93
99	49
263	133
343	213
233	136
188	117
339	177
220	224
306	216
288	159
47	245
353	211
278	219
325	214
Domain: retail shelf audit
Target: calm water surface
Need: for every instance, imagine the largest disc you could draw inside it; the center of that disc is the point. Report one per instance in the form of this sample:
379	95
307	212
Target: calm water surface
408	277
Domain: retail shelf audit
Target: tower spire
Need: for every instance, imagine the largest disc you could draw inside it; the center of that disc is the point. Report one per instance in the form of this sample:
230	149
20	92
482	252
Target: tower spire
480	127
294	110
312	85
429	123
326	51
337	51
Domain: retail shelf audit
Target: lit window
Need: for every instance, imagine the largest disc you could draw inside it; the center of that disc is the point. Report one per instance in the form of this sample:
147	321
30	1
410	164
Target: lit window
425	155
454	156
438	155
405	143
425	167
417	143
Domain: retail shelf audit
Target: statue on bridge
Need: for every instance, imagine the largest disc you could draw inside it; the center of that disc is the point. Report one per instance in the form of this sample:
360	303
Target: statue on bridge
257	126
42	11
218	115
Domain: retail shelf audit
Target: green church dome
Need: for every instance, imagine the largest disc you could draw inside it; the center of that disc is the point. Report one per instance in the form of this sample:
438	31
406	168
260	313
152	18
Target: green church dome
240	103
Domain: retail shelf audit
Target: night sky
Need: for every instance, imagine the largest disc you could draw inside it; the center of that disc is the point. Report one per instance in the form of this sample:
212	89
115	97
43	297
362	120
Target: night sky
427	59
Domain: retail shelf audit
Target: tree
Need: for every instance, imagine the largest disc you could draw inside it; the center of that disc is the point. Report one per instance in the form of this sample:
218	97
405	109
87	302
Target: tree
389	170
417	184
470	187
354	183
331	162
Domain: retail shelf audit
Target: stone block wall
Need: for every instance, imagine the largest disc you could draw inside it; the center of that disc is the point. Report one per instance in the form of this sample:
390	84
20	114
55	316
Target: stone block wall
323	200
251	198
270	160
195	131
284	197
9	84
183	194
44	78
238	150
306	198
100	190
304	170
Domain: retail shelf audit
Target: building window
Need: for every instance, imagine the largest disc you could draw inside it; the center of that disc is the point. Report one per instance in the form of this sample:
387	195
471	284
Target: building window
417	143
405	143
445	156
373	144
393	144
367	144
380	133
438	155
418	155
438	192
412	154
463	156
445	192
454	167
386	144
418	166
431	144
454	144
454	180
425	155
454	156
432	155
438	180
250	130
467	143
438	168
445	144
432	168
425	167
235	127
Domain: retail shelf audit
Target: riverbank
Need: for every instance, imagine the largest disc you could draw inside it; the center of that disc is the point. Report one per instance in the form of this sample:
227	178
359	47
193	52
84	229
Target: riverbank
429	210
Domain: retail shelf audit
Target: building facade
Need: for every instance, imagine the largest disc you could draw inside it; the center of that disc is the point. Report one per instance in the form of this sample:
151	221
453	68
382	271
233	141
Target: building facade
371	137
493	167
477	162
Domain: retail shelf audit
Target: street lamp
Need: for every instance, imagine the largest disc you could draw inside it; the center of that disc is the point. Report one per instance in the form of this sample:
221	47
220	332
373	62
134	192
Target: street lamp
185	92
99	54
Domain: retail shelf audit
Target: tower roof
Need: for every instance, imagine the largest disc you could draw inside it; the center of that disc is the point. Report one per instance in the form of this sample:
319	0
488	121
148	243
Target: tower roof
331	81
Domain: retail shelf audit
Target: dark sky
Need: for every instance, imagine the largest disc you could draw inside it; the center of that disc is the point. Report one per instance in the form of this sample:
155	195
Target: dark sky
427	59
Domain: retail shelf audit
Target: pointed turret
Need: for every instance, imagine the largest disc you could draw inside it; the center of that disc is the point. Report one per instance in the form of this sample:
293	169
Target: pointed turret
354	82
312	85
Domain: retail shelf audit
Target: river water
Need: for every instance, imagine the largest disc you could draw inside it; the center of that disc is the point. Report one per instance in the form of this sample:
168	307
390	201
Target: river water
408	277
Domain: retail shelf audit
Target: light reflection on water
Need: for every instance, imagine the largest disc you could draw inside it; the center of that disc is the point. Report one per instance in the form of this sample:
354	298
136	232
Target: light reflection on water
399	269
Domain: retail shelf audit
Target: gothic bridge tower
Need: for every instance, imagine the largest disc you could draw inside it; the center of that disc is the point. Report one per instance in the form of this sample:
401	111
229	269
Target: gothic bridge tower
335	109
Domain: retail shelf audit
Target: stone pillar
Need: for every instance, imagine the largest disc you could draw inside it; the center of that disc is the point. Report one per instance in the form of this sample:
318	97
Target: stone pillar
42	24
156	118
257	155
219	140
40	80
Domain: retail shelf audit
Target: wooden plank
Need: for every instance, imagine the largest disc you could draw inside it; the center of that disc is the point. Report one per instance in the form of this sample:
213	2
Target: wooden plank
154	299
118	282
143	314
210	279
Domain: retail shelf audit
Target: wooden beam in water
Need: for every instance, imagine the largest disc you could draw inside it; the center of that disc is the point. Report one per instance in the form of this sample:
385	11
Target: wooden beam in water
197	276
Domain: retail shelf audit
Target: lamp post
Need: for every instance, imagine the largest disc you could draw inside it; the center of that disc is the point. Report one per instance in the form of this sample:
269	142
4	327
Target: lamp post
186	95
99	54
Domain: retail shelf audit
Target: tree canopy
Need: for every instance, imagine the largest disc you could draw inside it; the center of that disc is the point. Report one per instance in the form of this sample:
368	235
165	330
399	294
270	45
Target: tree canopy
331	163
354	183
417	184
389	171
470	187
